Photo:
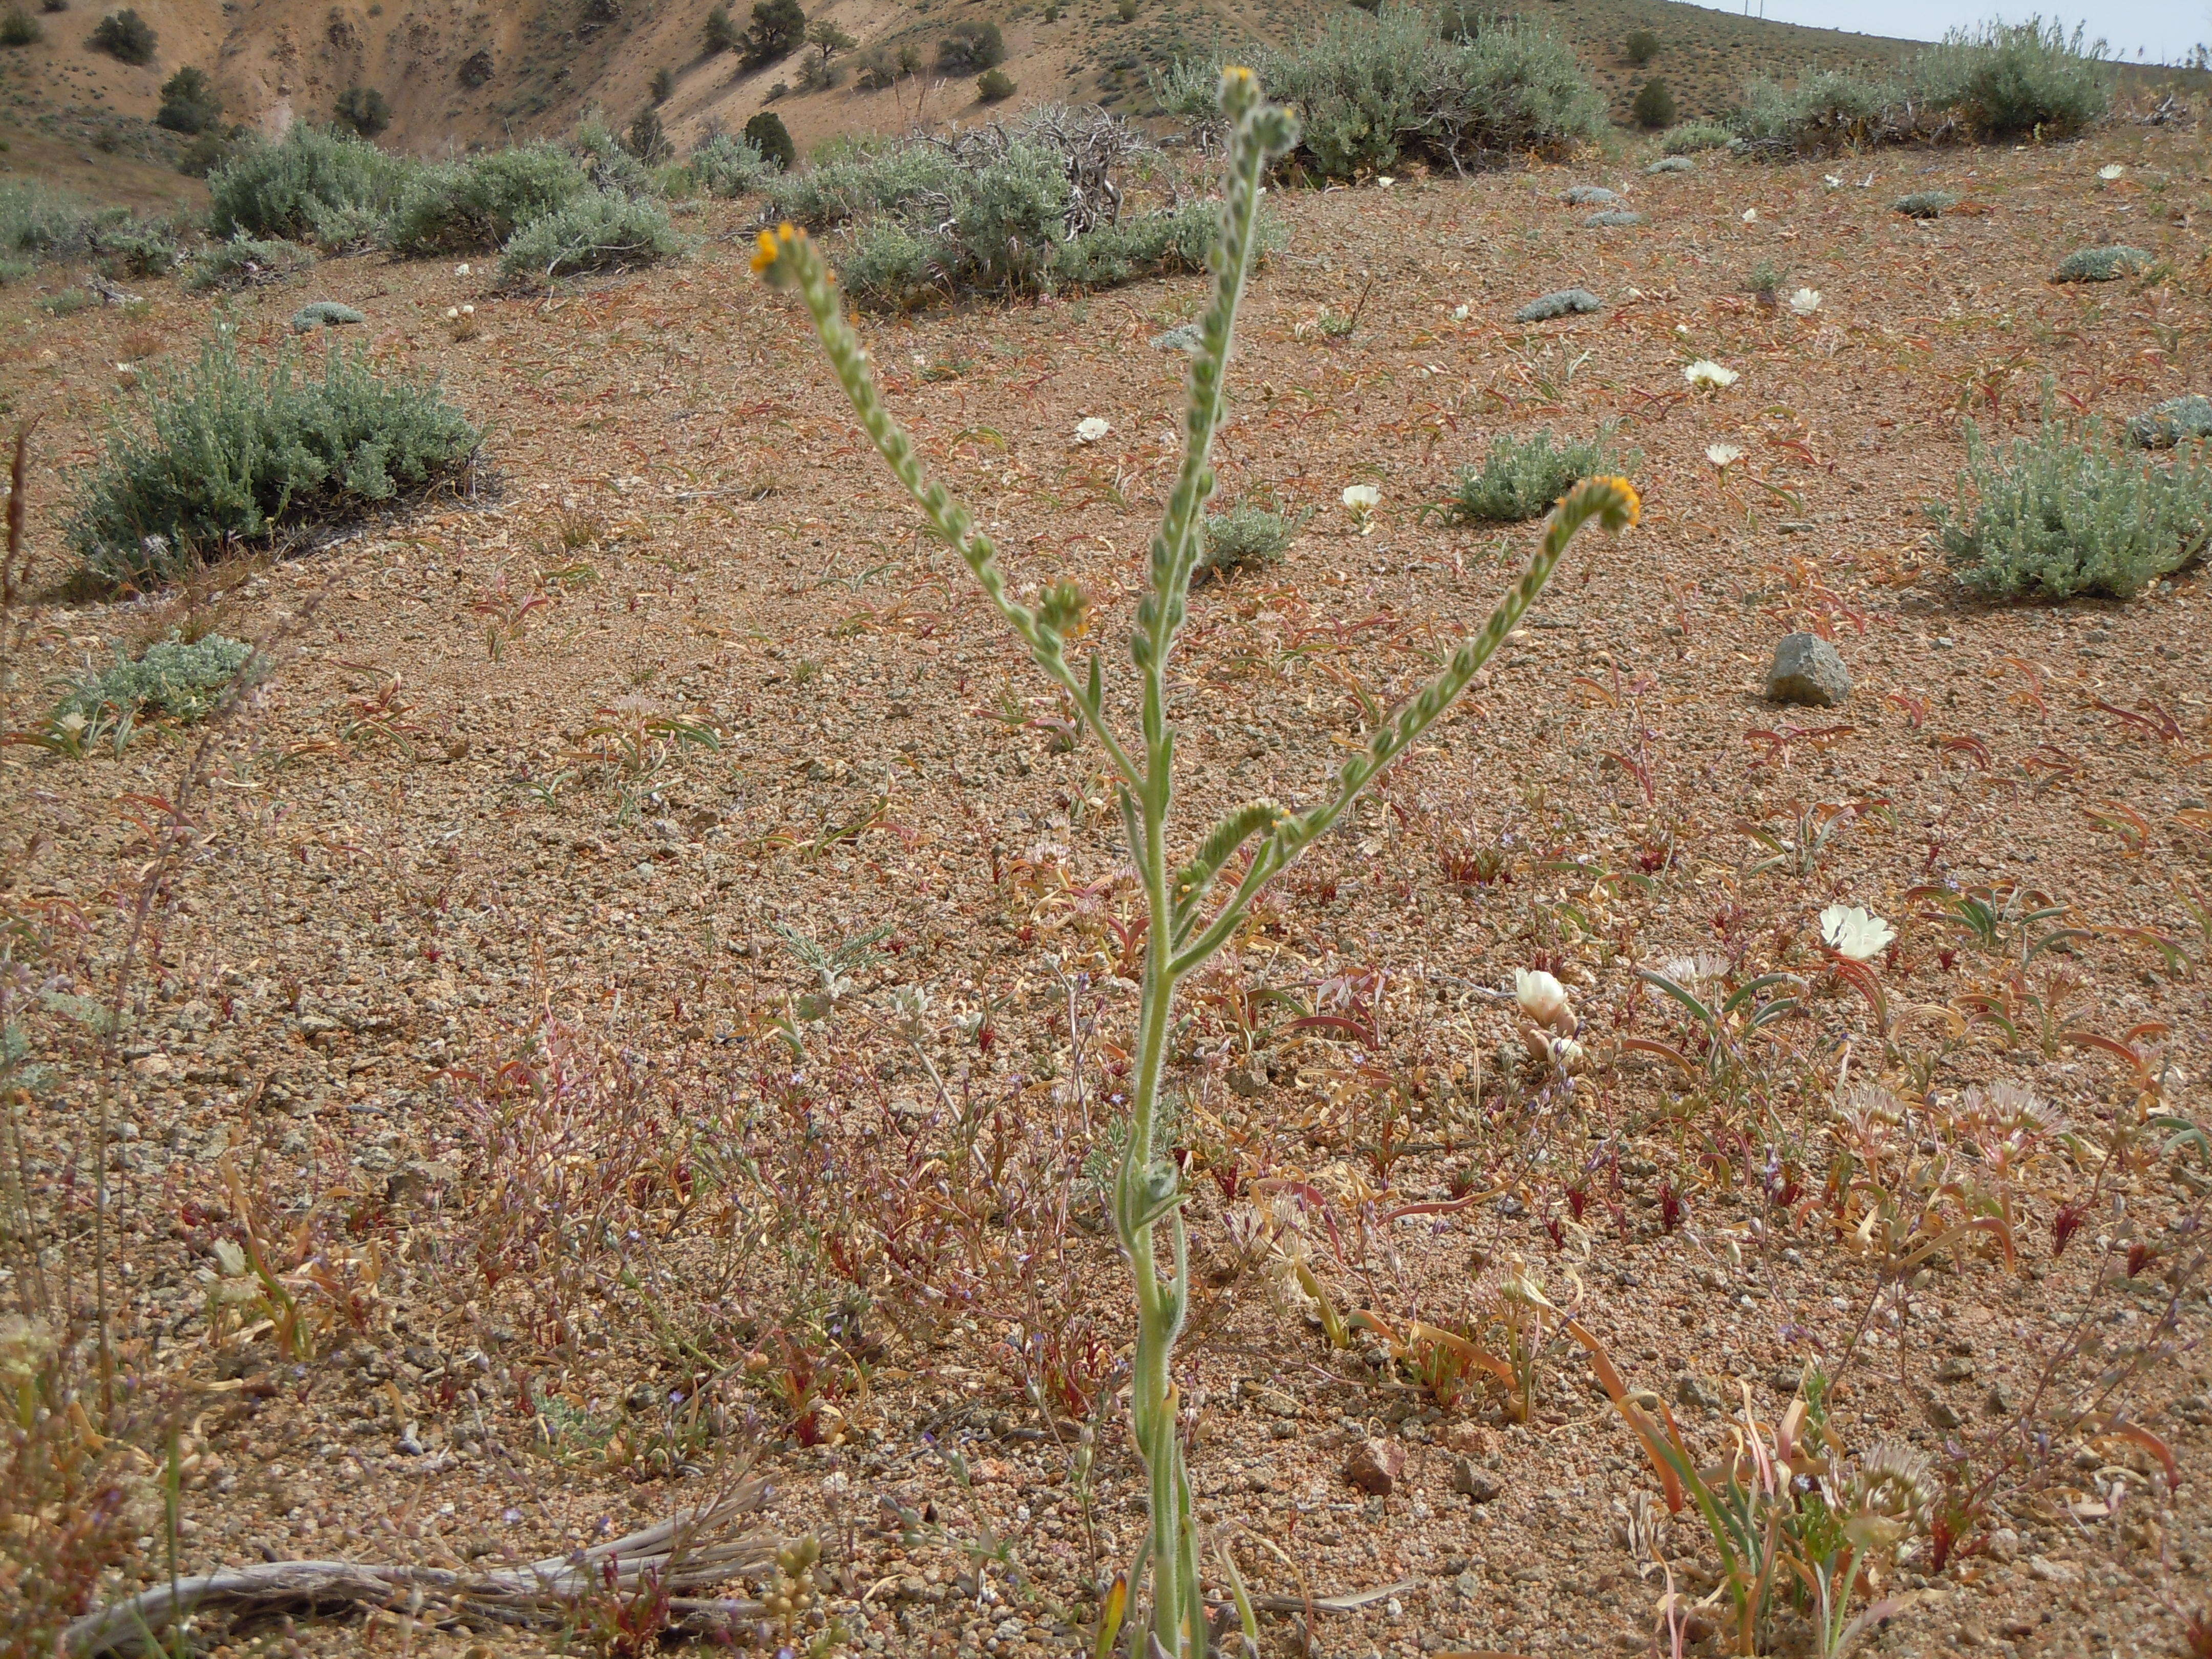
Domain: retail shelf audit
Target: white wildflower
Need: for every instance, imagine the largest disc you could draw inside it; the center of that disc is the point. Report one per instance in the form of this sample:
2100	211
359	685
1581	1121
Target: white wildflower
1360	501
2110	170
1805	301
1750	216
1460	314
1543	999
1832	181
460	271
1723	456
1385	183
1090	429
1853	932
1706	372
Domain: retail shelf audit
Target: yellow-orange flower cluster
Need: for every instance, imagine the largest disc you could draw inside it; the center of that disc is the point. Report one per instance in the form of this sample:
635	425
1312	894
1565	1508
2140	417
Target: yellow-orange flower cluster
773	244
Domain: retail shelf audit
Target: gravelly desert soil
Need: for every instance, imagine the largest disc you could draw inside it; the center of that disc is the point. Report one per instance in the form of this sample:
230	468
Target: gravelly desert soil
471	991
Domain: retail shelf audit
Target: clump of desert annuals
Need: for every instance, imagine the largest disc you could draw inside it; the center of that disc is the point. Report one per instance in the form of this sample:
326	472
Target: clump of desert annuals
1522	477
1189	917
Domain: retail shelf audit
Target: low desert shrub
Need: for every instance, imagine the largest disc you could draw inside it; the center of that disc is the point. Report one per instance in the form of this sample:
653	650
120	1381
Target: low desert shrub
246	262
993	87
2176	421
314	180
1377	90
174	679
1695	137
2101	265
137	248
1926	203
1523	478
971	47
1245	537
19	28
594	231
663	85
124	36
475	204
2065	513
2000	80
1163	244
1641	46
1655	106
223	452
720	32
724	166
608	163
36	219
2011	80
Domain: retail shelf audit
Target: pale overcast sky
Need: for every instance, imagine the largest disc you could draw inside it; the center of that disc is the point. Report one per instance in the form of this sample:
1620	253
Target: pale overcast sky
2163	29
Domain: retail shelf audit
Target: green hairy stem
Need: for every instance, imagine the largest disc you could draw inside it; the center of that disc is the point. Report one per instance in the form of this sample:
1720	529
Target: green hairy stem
1147	1190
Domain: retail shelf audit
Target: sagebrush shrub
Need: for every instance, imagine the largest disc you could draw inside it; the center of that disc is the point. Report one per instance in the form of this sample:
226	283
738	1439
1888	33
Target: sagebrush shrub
2176	421
2010	80
1830	109
19	28
474	204
182	681
1524	479
246	262
597	230
727	165
2065	513
221	451
37	219
314	180
1926	203
364	109
1189	920
1373	91
1694	137
608	162
137	249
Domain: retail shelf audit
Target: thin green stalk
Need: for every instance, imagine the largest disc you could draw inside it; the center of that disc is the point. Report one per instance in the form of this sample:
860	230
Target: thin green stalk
1147	1190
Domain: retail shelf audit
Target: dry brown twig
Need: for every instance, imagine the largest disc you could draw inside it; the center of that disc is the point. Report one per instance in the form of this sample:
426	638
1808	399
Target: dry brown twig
695	1550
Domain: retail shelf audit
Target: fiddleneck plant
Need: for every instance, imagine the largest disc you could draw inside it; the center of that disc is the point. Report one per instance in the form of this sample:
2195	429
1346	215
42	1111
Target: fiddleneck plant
1185	930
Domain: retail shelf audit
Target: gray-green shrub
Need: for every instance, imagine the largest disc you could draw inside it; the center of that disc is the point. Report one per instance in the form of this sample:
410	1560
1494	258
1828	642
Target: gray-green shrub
725	165
314	180
137	248
2101	265
1522	477
37	219
246	262
2009	80
1925	204
608	164
1376	90
1163	244
221	451
594	231
1694	137
1245	537
2065	513
177	680
474	204
2176	421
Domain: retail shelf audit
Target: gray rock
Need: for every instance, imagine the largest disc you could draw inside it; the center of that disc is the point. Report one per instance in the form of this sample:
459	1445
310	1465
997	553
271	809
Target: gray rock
1694	1392
2164	425
1807	669
1375	1466
1274	1401
1560	302
1470	1479
1611	219
1588	196
1673	164
1955	1370
324	313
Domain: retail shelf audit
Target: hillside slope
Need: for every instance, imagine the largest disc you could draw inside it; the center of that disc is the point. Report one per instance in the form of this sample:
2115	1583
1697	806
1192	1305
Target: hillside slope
459	73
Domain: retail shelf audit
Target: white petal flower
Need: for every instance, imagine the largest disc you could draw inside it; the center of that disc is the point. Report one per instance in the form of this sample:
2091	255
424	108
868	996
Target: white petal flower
1460	314
1361	499
1543	999
1723	455
452	313
1832	181
1850	931
1090	429
1805	301
1750	216
460	271
1386	182
2110	170
1706	371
